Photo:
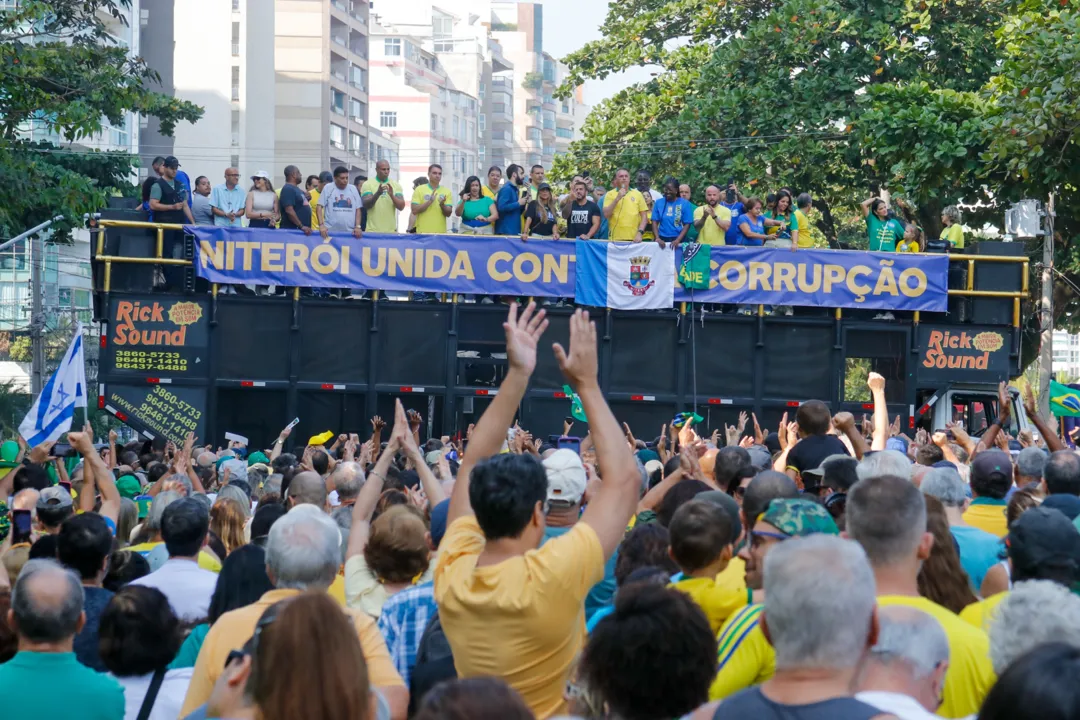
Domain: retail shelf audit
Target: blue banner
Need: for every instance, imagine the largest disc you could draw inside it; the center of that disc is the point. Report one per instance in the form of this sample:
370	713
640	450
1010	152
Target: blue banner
498	265
470	264
823	278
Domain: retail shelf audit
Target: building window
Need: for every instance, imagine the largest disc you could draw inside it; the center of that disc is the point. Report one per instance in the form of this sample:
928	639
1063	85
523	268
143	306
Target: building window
483	122
442	127
337	136
357	111
236	39
235	128
236	5
483	90
387	119
442	26
236	84
444	46
337	101
234	161
392	46
457	130
471	132
356	143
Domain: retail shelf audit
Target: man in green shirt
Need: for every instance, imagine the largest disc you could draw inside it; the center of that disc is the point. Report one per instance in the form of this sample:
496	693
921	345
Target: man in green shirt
382	198
46	613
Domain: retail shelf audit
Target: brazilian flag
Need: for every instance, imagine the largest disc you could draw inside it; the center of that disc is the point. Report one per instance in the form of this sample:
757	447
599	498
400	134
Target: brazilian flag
576	410
1064	400
694	270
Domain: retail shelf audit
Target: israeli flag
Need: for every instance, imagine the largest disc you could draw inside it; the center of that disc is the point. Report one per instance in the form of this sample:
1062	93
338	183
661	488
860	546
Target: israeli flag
54	408
624	276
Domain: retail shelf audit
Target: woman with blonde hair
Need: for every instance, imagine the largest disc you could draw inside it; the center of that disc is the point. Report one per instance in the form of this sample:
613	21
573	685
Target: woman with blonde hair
542	215
262	203
227	519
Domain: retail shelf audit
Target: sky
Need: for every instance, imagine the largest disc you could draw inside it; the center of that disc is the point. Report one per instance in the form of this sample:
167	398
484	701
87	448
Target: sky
569	24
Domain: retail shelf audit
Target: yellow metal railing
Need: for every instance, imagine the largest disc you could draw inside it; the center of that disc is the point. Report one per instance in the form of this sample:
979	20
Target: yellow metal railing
160	228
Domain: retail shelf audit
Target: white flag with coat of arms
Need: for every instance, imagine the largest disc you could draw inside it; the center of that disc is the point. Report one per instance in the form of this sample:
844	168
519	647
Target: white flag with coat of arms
53	410
624	276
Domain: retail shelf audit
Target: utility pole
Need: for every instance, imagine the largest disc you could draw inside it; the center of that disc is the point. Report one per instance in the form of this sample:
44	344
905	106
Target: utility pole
37	319
1046	313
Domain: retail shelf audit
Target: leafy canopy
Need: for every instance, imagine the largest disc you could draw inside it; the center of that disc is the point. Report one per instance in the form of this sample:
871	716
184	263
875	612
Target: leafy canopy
61	70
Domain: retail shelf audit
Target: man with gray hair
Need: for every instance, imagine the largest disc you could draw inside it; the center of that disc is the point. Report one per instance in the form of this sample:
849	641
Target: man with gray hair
347	478
821	619
884	462
979	550
302	555
887	516
905	673
46	613
1029	466
1033	613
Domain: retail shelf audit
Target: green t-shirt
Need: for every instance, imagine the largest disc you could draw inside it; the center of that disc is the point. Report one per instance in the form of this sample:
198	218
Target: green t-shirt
189	650
692	233
782	233
475	208
883	234
56	686
382	217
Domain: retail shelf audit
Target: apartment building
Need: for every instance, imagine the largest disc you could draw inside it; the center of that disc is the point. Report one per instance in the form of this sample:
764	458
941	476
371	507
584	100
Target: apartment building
1066	358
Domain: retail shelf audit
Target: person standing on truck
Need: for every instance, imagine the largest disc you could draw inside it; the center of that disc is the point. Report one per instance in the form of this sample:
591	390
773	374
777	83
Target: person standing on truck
883	230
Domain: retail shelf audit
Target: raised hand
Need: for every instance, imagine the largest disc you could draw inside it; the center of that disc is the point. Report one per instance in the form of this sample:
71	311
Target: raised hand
580	366
414	420
1029	399
522	335
743	418
377	424
759	437
876	382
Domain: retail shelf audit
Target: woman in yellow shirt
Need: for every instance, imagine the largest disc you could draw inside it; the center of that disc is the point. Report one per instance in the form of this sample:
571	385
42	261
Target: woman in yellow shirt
952	232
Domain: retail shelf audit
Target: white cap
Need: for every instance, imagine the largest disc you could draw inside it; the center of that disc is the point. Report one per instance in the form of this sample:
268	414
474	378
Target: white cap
261	174
565	475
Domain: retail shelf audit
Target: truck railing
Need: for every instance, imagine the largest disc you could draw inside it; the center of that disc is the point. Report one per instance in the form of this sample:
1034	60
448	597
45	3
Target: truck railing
100	225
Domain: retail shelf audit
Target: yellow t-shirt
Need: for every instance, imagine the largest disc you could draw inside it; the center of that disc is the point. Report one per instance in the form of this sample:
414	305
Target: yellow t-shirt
626	215
382	217
806	240
487	192
235	628
744	657
981	614
733	577
206	560
970	675
716	602
363	591
314	201
954	234
988	514
711	233
521	620
432	220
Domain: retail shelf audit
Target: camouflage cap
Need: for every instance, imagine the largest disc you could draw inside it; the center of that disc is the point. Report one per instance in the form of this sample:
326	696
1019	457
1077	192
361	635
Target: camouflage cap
798	518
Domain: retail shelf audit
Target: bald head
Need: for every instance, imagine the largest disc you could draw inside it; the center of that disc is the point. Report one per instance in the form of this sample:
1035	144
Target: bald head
25	499
308	488
763	489
348	478
46	603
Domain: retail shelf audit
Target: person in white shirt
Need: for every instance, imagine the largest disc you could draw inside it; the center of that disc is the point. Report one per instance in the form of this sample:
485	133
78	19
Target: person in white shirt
339	206
185	527
139	636
905	673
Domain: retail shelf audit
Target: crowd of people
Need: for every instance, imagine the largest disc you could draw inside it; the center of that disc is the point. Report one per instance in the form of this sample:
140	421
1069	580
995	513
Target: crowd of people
830	569
520	204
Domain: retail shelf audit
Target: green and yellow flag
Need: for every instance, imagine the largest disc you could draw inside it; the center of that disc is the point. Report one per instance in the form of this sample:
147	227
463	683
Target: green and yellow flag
1064	400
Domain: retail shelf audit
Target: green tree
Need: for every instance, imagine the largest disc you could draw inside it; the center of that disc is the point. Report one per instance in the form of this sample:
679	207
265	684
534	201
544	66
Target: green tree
14	404
20	349
61	70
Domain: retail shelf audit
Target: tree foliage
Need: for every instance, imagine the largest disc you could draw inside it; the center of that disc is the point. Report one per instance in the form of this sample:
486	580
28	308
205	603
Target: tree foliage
61	70
942	102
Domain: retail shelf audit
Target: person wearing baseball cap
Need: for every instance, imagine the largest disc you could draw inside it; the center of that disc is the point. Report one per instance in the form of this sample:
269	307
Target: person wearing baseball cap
54	506
566	481
1042	545
991	479
745	657
261	206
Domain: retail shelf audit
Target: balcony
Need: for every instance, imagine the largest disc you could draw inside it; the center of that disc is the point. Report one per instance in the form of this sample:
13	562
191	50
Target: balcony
501	113
356	9
340	5
503	83
338	40
501	139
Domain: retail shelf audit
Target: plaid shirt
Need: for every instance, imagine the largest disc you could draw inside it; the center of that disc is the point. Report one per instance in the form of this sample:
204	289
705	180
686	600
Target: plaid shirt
402	621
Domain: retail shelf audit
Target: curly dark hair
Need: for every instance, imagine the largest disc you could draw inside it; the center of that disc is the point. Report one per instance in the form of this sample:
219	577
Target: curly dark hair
653	657
644	546
397	550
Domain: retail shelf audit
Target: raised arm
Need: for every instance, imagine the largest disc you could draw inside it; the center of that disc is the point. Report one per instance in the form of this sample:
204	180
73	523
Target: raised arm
864	206
989	438
845	423
110	496
522	334
1053	442
279	443
881	411
368	498
616	500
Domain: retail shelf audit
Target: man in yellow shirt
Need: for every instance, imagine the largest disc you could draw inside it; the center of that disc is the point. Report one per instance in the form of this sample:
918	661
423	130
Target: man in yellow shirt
712	219
887	516
744	656
701	544
509	607
991	479
382	199
431	204
625	209
803	203
302	554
